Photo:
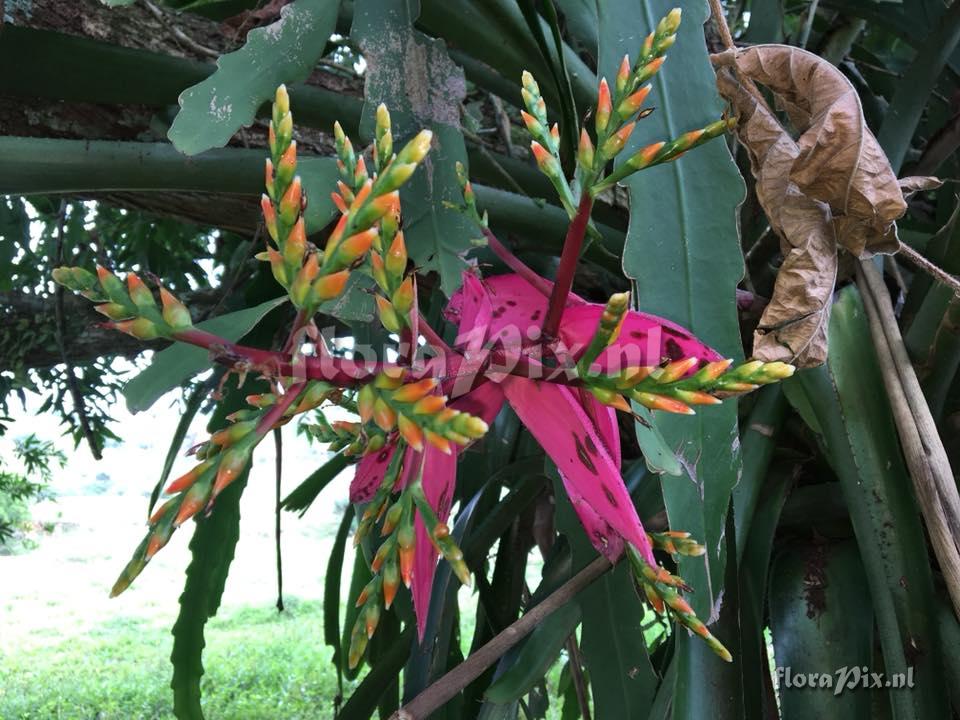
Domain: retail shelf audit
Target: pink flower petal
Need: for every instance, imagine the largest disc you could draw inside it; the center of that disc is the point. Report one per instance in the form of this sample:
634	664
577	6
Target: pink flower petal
369	474
439	481
644	340
560	424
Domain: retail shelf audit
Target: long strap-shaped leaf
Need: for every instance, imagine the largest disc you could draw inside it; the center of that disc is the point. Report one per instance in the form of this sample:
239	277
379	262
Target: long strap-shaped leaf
683	252
854	417
212	548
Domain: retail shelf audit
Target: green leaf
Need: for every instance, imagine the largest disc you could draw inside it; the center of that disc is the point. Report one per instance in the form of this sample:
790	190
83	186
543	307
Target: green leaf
363	702
194	402
331	592
777	482
360	577
180	362
212	548
658	456
913	92
861	443
613	644
303	495
283	52
535	655
421	93
759	440
580	17
821	622
683	253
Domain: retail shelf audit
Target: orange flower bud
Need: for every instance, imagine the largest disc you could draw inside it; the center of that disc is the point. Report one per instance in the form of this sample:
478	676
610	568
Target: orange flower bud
396	260
631	104
162	510
140	328
193	502
533	126
410	432
159	537
268	177
327	287
615	142
623	74
604	107
301	285
287	165
189	478
175	313
269	216
114	311
404	296
676	370
388	315
439	442
296	244
289	208
430	405
362	194
661	402
355	246
232	463
365	402
585	151
384	415
414	391
378	270
139	293
650	69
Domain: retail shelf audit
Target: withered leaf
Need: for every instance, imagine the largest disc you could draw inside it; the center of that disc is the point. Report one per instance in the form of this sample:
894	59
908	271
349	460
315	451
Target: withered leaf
793	327
840	162
826	184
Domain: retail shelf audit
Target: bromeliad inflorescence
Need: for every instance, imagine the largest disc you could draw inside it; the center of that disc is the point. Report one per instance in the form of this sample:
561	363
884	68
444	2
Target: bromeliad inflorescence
563	364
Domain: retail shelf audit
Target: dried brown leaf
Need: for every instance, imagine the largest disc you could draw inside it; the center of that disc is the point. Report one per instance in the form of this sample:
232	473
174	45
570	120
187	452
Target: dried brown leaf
839	161
793	327
913	184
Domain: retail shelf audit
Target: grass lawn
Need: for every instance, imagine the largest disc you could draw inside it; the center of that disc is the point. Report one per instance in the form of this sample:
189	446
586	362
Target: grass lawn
259	664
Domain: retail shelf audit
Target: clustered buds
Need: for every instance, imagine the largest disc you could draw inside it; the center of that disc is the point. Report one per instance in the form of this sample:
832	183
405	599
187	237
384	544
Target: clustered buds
129	305
222	458
608	330
676	542
417	412
546	139
614	119
393	560
660	152
677	385
660	588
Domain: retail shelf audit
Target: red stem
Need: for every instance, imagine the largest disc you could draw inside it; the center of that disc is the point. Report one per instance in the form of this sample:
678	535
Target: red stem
516	264
348	373
276	411
432	336
572	245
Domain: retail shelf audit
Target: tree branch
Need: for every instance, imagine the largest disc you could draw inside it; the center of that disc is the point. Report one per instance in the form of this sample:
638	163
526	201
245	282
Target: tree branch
470	669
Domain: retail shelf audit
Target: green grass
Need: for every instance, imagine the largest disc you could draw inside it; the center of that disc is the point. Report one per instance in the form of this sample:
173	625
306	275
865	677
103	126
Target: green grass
260	664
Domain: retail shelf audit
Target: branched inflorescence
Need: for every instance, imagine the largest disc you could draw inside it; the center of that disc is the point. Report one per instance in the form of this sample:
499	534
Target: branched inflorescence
411	422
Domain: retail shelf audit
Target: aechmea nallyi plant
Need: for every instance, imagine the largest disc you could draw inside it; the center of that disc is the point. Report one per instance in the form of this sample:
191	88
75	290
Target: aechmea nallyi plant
566	366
